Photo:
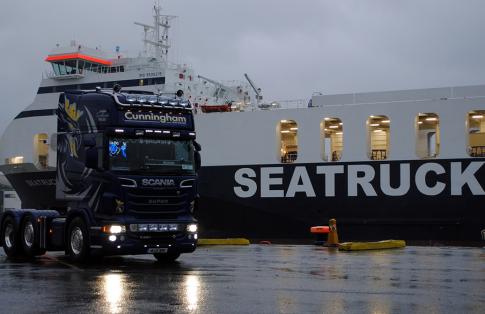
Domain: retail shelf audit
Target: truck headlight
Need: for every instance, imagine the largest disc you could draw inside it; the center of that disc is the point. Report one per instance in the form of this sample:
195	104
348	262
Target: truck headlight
192	228
114	229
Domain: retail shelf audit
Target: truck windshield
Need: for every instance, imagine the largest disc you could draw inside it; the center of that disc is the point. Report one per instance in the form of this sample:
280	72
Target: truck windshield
151	155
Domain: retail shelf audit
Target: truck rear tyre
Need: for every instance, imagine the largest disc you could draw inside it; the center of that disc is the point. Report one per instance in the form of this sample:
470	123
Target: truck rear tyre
29	237
10	237
77	240
166	258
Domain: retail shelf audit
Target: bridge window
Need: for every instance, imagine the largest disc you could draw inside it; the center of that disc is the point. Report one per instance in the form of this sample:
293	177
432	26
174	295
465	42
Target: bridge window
476	133
41	150
427	135
378	133
287	133
331	135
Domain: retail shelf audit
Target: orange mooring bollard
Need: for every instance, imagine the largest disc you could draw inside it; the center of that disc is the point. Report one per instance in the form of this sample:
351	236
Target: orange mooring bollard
332	239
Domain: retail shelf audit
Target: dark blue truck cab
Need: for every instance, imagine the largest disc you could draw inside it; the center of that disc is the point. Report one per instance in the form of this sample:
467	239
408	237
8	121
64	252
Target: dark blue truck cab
125	181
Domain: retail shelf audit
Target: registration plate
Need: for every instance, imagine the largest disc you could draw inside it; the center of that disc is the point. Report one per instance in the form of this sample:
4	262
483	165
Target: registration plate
157	250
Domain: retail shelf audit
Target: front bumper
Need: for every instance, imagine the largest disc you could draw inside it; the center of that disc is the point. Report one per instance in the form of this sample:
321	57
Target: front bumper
133	243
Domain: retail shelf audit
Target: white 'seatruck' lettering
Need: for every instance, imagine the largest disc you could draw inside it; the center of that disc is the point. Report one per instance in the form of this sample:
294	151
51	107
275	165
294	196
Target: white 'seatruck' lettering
430	179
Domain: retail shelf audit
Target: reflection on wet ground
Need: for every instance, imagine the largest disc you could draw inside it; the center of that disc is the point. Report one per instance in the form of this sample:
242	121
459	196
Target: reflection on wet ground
253	279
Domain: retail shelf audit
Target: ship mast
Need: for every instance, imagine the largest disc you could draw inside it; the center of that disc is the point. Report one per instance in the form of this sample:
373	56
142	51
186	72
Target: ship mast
156	35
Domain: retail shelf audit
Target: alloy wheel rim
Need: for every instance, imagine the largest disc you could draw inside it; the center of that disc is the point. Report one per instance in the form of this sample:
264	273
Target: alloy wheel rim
76	240
29	234
8	235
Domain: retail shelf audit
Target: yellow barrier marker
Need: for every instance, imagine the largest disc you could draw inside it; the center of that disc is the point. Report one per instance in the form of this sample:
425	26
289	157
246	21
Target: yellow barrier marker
231	241
381	245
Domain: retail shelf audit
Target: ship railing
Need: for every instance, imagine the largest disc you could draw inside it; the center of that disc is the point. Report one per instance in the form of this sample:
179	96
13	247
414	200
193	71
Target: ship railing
52	75
477	151
378	154
292	103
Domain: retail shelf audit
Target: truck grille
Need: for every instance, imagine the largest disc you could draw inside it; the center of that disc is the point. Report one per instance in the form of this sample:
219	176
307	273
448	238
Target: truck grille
156	201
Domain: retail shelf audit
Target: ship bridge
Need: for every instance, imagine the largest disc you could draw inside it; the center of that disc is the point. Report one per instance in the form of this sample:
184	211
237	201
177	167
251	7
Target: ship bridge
73	62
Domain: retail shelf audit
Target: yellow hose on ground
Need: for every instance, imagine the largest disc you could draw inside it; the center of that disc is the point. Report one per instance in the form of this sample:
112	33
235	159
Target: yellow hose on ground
231	241
380	245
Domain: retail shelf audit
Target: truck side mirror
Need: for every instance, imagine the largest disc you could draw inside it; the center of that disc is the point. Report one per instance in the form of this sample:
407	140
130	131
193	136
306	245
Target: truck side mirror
198	161
92	160
197	146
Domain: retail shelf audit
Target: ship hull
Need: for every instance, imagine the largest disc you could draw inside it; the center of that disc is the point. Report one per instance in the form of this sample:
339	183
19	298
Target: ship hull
420	200
286	213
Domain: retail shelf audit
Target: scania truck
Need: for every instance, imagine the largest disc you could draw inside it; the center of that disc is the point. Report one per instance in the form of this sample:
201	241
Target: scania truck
125	180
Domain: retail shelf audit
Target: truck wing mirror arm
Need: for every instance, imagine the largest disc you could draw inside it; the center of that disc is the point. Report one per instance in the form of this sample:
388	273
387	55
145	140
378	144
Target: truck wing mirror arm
197	146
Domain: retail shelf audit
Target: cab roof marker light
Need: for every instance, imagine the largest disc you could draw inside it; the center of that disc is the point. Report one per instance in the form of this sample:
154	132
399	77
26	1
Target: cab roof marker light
192	133
158	131
166	132
149	131
478	116
119	131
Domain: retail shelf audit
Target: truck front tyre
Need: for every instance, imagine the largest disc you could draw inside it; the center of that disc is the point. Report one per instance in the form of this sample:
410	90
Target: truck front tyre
167	257
29	237
77	240
10	237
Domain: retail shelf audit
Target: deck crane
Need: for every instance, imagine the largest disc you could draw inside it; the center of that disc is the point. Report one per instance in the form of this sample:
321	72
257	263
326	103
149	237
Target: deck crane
257	90
221	91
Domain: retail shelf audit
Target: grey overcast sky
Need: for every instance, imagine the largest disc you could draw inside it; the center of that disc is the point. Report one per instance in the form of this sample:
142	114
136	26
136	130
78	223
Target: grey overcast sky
290	48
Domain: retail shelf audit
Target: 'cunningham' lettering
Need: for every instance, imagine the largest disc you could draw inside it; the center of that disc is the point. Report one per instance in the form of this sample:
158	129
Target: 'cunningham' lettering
166	118
361	180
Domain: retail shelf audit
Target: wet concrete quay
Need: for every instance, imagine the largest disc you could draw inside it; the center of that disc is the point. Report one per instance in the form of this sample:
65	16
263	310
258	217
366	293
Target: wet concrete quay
252	279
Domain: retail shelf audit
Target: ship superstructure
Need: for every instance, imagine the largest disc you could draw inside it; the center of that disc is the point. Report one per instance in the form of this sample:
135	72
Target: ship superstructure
79	67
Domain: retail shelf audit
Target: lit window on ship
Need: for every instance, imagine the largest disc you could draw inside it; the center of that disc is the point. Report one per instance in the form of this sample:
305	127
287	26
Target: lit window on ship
41	150
476	133
378	133
427	135
287	132
331	134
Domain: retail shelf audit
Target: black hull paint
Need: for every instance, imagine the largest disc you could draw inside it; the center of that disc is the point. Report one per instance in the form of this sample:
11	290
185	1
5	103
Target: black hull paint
36	189
221	213
412	216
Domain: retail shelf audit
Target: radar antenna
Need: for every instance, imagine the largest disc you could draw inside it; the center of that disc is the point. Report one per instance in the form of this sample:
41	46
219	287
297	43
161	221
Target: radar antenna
156	35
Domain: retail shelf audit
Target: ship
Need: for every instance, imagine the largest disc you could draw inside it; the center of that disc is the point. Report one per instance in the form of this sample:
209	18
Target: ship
395	164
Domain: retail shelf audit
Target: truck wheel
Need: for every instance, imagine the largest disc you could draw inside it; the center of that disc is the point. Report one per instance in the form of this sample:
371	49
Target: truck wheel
77	240
10	237
166	258
29	237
